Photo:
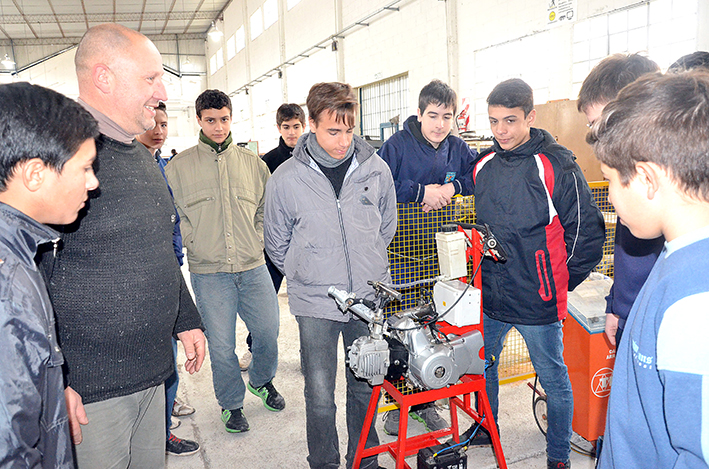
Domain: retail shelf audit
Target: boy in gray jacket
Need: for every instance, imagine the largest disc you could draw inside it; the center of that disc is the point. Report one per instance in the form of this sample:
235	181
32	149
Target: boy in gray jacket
330	214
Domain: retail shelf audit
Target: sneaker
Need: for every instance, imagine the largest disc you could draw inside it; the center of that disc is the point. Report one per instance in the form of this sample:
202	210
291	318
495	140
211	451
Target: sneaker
234	421
272	400
174	423
180	409
245	361
391	422
481	438
179	447
558	464
429	417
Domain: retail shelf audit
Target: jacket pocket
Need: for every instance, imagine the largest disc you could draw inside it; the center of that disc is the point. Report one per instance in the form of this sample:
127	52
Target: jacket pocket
543	275
201	200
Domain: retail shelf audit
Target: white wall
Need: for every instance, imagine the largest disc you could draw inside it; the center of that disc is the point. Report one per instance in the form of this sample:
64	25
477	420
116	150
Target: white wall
472	43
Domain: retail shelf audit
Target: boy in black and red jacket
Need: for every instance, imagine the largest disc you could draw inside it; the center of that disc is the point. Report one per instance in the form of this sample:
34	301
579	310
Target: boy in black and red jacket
538	204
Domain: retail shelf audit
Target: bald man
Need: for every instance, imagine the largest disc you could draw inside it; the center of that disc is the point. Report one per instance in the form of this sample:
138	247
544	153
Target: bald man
115	283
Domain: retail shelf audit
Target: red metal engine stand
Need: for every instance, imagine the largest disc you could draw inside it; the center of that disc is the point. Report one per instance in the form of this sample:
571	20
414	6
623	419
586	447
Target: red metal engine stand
459	395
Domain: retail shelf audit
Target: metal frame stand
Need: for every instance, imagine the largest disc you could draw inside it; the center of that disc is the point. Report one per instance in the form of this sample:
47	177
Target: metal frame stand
459	395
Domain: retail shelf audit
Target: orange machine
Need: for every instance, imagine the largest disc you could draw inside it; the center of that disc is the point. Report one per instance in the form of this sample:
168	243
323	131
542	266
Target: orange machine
589	357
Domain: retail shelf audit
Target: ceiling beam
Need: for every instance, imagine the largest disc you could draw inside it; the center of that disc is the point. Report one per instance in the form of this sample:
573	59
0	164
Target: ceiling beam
47	41
110	17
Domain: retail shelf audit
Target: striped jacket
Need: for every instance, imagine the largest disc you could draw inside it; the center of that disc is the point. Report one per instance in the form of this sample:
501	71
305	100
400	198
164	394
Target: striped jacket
539	206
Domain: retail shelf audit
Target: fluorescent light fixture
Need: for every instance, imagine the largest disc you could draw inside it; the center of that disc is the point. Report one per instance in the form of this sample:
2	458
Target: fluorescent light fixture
8	62
214	32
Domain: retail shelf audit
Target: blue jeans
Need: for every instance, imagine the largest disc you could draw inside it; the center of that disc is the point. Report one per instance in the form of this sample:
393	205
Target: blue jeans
171	384
546	349
220	298
318	353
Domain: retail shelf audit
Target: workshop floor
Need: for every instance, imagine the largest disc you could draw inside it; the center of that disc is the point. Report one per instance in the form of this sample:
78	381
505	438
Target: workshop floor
277	439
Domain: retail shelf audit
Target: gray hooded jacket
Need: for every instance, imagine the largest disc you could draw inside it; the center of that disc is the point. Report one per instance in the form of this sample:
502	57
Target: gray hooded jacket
318	240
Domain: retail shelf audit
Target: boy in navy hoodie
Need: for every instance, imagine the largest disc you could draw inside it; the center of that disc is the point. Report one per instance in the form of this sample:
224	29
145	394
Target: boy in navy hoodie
429	164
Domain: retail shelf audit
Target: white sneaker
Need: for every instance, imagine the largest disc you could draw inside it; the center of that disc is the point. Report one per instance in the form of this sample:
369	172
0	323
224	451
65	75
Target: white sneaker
245	361
174	423
180	409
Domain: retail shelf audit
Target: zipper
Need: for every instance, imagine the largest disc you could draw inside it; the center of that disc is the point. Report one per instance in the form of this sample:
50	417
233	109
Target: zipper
342	228
206	199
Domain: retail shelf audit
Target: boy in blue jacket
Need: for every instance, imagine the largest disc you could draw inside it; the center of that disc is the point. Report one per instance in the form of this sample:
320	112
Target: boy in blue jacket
536	200
429	164
45	175
653	144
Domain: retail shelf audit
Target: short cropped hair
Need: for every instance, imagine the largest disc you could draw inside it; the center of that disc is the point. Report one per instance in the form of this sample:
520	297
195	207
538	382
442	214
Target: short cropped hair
212	99
34	124
512	93
610	75
332	97
662	119
698	59
290	111
437	93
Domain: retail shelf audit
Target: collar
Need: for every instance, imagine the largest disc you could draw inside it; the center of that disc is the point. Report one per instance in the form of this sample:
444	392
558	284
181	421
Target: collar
21	229
218	147
107	126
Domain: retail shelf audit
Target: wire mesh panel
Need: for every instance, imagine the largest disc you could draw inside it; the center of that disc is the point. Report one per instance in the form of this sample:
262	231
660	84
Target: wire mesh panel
600	195
413	256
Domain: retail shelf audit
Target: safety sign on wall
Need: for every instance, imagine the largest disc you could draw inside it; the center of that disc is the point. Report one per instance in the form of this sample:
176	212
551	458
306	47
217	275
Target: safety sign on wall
561	11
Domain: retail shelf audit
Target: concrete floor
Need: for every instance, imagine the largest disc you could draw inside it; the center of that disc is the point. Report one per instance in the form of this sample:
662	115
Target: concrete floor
277	439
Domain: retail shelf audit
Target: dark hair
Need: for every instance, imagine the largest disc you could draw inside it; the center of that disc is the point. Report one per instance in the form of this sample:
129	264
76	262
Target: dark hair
610	75
662	119
332	97
698	59
287	112
37	122
512	93
437	93
212	99
161	107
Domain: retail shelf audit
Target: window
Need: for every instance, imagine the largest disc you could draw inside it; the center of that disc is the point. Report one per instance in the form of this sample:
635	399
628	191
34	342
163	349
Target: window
381	102
270	13
664	29
231	47
220	58
240	39
213	64
256	24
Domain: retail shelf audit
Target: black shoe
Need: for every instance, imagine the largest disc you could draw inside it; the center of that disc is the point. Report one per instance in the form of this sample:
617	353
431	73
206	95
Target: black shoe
234	421
179	447
481	438
272	400
558	464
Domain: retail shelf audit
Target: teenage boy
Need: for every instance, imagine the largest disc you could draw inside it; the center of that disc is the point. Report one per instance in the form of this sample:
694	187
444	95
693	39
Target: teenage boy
153	140
537	202
633	258
653	144
219	193
290	120
45	175
330	214
429	165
